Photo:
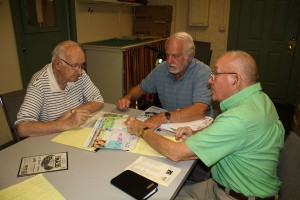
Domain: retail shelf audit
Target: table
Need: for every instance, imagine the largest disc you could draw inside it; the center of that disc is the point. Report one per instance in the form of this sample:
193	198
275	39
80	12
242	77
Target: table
89	173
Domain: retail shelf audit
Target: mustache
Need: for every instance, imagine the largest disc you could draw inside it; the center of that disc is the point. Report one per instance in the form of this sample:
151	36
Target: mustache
172	65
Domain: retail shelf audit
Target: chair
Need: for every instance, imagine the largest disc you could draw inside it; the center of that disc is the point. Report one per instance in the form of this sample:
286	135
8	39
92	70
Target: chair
203	51
289	168
286	113
11	103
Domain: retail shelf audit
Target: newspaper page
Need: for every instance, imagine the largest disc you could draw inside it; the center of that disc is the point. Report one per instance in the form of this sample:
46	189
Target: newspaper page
43	163
110	132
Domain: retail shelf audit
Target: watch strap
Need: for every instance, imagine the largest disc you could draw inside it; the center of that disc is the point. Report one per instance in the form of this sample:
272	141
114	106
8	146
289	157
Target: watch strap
168	117
142	132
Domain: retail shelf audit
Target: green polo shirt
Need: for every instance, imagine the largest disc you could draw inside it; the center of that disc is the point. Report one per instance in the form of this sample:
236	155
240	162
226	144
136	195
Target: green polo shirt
243	144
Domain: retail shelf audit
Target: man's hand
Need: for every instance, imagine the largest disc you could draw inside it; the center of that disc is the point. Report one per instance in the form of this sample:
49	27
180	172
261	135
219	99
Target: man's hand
183	133
134	126
75	118
123	104
155	121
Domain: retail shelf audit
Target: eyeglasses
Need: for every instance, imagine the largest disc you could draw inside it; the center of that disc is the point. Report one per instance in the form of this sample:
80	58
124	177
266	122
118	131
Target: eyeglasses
213	73
75	66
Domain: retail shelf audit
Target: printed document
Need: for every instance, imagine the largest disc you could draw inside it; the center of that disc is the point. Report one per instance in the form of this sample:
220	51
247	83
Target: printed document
154	170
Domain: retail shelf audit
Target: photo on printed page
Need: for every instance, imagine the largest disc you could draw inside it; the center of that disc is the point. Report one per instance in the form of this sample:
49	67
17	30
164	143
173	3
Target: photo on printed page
43	163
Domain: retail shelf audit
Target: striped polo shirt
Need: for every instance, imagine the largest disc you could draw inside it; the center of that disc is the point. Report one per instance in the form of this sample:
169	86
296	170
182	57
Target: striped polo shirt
45	101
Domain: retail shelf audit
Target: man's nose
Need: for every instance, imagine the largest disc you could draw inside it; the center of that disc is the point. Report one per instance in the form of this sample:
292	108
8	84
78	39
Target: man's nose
79	70
210	80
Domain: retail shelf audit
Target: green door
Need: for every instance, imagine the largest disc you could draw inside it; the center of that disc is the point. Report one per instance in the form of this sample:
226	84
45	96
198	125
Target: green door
268	30
39	25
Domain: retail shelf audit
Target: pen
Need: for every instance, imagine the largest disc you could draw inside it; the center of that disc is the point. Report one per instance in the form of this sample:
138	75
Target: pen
173	129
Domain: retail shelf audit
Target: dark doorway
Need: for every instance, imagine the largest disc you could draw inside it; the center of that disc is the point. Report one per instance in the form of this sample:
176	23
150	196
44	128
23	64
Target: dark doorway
268	30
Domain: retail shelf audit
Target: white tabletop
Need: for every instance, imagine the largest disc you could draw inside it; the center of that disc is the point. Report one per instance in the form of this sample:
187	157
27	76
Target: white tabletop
89	173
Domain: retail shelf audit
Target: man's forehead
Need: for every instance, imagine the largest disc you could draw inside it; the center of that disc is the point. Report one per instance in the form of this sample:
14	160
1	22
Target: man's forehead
223	63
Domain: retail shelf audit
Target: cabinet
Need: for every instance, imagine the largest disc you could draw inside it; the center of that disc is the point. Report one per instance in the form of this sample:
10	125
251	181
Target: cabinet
199	12
116	65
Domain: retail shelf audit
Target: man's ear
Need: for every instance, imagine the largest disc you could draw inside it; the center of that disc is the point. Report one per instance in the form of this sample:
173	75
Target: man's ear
190	58
237	81
56	64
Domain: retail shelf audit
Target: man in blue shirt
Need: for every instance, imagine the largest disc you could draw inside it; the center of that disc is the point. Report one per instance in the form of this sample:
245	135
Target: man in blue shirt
180	82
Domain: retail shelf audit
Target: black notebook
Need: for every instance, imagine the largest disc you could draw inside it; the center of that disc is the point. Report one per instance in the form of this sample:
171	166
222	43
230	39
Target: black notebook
135	185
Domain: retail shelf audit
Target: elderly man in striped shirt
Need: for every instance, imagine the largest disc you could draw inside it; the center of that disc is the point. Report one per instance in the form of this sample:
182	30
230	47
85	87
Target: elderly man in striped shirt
60	96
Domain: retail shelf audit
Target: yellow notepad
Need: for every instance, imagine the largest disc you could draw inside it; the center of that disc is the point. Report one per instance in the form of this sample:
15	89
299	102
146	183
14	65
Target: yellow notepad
75	138
144	148
36	187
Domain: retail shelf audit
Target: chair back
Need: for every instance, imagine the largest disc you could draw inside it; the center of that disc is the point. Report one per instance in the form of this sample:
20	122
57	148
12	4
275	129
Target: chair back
203	51
289	168
11	103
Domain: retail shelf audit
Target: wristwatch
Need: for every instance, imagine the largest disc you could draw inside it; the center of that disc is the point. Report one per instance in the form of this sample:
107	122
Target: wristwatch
168	117
142	132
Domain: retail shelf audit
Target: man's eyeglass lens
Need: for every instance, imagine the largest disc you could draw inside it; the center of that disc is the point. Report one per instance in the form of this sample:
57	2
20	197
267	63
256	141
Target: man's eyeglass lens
75	66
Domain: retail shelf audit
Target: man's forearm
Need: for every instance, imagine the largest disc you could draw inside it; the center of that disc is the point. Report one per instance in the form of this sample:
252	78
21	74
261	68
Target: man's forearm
27	129
91	106
134	94
175	151
190	113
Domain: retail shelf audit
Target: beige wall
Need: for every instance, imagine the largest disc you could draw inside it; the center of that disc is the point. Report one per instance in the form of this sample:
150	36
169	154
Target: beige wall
107	21
10	77
218	18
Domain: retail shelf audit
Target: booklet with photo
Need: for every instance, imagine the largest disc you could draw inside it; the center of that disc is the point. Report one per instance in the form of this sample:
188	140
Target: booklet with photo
43	163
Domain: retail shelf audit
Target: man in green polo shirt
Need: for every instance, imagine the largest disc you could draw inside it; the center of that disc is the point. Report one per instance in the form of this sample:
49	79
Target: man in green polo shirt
242	144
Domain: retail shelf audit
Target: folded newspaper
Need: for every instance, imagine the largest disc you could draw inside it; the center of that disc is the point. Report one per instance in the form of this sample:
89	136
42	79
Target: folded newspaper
110	132
150	112
195	125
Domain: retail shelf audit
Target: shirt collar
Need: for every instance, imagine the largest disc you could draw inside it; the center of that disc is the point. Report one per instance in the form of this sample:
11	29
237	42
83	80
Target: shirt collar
244	93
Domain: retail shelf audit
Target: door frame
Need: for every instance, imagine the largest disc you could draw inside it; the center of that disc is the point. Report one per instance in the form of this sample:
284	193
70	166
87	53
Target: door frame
71	22
294	83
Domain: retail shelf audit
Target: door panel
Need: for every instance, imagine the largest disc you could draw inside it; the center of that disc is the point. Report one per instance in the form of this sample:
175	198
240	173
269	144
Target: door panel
39	26
263	28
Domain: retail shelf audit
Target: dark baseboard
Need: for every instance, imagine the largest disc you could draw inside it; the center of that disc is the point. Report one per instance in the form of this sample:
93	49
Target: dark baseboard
3	146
